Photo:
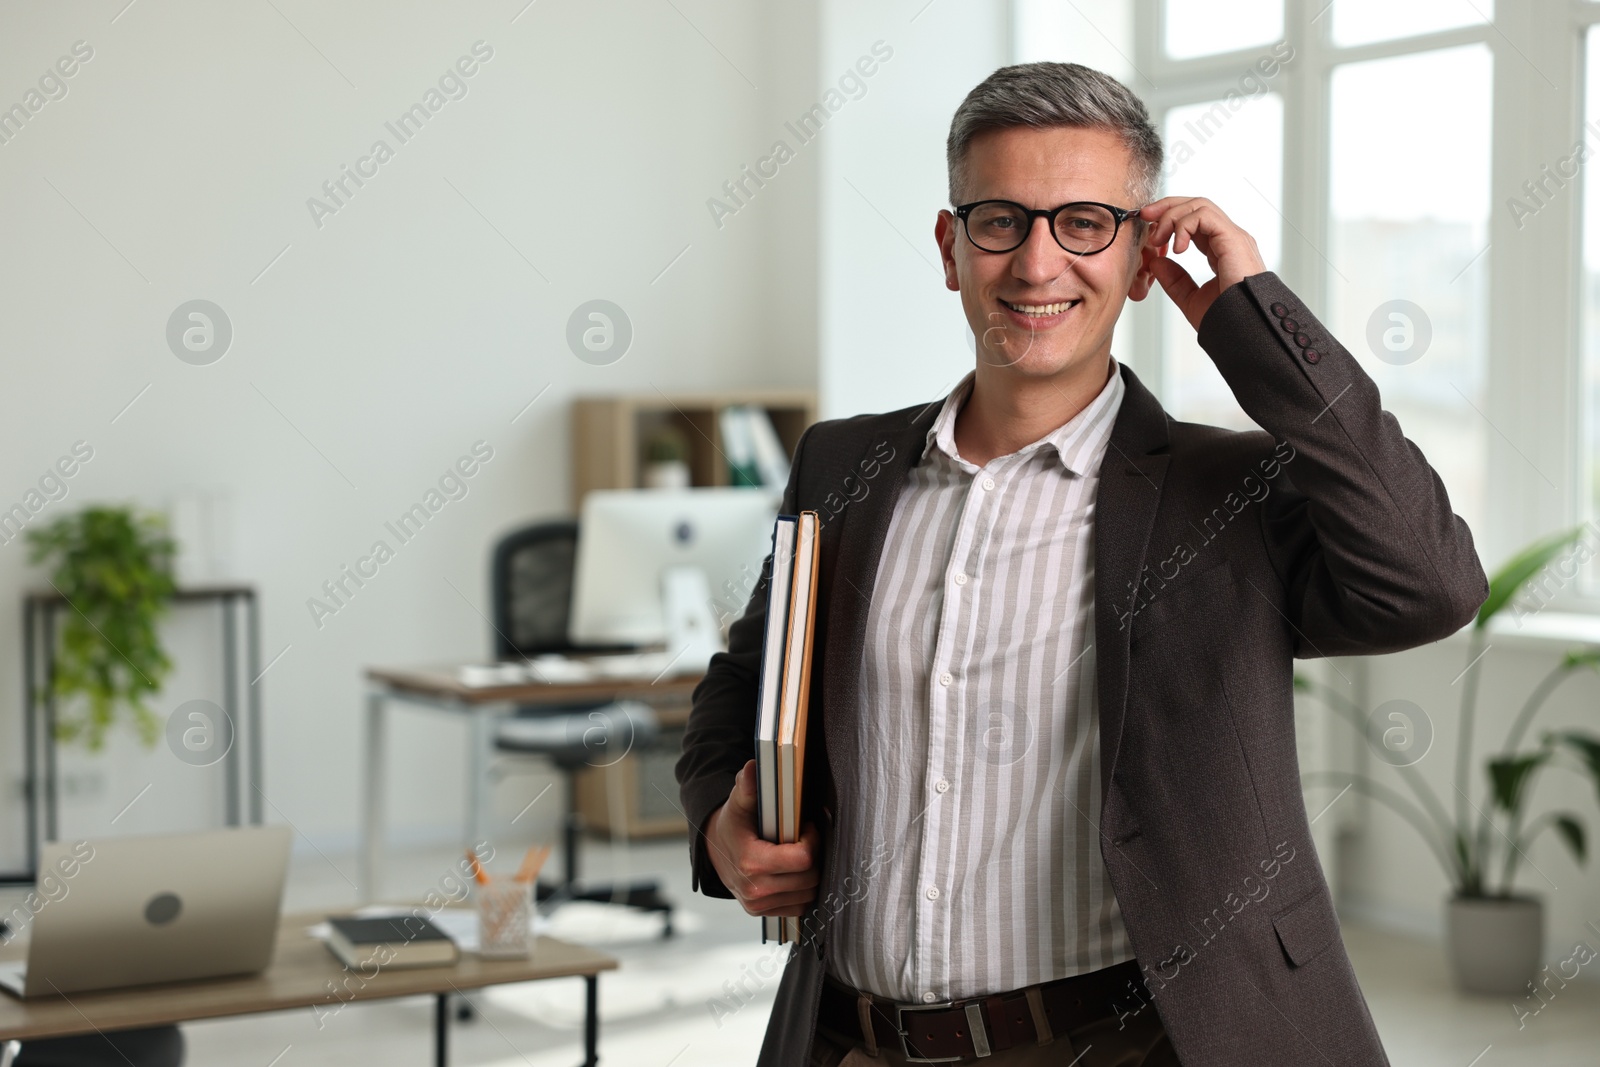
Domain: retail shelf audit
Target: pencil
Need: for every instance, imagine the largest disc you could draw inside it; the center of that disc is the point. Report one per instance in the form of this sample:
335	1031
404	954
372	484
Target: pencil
532	863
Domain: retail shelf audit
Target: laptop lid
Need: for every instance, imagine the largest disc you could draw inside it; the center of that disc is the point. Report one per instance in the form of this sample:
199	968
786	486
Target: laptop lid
161	908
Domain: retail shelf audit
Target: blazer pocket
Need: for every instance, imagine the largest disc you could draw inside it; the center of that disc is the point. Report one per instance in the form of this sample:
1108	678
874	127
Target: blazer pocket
1175	602
1307	927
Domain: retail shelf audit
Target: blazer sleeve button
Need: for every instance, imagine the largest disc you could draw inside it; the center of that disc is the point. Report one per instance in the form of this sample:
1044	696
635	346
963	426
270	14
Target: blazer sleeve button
1280	309
1291	325
1303	340
1312	355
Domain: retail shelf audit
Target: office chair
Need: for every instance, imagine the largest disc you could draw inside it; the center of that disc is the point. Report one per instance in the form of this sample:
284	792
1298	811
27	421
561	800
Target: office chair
160	1046
531	581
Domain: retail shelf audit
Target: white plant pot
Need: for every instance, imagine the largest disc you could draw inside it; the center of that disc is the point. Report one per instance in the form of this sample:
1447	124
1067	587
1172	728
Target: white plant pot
1496	945
670	475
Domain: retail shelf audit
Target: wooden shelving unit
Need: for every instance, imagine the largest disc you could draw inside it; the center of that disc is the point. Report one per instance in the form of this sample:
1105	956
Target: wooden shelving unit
608	438
609	433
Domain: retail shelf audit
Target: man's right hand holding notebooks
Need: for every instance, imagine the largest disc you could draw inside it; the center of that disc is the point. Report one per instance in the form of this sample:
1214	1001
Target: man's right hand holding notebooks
767	878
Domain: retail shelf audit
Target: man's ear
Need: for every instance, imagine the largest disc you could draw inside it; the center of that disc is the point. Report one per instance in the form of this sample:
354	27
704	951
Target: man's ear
945	230
1144	278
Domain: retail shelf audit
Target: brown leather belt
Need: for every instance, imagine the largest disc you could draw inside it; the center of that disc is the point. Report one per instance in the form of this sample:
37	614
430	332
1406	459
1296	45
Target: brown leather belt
934	1033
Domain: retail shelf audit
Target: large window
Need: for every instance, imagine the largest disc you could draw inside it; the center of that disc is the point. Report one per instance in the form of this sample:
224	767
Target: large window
1407	277
1364	21
1589	290
1353	139
1206	28
1234	156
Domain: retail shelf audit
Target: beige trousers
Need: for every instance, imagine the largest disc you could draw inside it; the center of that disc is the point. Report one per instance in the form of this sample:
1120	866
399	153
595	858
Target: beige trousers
1140	1041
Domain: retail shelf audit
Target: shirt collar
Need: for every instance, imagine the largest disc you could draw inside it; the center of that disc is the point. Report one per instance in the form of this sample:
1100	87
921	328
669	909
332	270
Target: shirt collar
1078	442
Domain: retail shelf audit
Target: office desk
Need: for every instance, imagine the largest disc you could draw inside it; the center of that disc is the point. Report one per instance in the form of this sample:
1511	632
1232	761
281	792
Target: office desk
440	688
303	974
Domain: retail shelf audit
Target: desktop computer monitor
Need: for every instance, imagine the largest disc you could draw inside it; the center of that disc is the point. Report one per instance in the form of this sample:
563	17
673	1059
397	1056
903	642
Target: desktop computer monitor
668	566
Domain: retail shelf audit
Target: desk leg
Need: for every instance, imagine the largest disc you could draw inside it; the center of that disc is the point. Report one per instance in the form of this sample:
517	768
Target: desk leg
480	737
373	821
253	703
230	708
591	1020
441	1030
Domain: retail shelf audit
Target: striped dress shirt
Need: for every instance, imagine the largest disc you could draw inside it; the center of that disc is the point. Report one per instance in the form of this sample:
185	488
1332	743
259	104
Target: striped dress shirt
969	798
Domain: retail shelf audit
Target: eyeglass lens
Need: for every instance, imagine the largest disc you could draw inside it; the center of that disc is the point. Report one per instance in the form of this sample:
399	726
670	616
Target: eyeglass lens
997	226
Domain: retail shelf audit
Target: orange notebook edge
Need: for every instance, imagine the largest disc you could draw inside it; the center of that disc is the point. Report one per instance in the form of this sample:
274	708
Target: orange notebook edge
785	835
803	705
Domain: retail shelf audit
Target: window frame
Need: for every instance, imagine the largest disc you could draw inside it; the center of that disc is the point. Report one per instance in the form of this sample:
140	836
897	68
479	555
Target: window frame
1533	408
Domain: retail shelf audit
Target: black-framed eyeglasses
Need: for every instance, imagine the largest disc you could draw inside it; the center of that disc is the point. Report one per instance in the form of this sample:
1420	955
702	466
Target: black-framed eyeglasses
1083	227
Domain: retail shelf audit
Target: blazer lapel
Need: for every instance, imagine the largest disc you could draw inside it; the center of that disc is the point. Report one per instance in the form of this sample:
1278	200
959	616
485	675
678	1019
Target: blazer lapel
866	525
1125	507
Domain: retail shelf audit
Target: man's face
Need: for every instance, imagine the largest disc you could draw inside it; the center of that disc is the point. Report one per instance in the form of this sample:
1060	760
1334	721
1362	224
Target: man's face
1040	310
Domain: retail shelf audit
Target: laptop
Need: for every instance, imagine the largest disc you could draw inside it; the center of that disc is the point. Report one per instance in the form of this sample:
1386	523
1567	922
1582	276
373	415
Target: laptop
163	908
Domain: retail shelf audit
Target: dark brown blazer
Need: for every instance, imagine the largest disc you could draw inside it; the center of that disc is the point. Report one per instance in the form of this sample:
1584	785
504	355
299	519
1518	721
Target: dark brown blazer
1220	557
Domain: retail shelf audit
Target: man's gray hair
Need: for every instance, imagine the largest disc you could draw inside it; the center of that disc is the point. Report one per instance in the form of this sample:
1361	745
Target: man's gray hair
1048	95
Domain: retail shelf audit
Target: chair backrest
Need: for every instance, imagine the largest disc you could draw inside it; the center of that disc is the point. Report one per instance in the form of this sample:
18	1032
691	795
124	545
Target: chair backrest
531	584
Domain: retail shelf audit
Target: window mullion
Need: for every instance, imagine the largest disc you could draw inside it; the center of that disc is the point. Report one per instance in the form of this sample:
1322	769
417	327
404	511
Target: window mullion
1147	351
1534	265
1305	147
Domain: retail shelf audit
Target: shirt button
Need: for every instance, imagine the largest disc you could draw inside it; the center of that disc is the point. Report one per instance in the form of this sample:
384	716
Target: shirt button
961	579
946	678
928	997
941	786
933	892
988	483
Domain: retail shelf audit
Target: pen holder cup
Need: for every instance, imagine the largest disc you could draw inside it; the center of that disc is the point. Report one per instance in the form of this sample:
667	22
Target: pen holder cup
505	918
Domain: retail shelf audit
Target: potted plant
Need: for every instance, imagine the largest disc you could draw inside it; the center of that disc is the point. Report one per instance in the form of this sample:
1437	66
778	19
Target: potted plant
666	460
113	566
1495	935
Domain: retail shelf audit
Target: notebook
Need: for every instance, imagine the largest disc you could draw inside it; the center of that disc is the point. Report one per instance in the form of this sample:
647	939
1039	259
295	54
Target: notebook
770	686
791	645
394	942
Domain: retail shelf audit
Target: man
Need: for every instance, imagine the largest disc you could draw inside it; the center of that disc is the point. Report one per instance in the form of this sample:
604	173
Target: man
1051	776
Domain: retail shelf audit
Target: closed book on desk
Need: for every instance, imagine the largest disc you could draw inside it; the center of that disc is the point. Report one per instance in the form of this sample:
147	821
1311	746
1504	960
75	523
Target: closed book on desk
398	941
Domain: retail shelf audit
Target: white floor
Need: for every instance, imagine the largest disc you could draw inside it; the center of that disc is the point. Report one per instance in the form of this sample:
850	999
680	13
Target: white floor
670	1002
1426	1023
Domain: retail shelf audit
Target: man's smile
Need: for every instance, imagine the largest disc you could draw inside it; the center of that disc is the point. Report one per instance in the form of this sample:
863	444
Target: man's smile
1039	316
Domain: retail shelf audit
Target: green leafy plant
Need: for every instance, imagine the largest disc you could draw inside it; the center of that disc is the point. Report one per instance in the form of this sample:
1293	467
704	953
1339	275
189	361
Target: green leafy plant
667	445
114	568
1468	841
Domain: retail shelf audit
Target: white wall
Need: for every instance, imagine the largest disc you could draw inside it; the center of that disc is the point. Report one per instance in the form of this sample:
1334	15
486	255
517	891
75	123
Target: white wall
383	344
891	334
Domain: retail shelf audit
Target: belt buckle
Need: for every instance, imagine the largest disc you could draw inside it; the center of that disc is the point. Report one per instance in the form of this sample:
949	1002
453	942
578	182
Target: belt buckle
975	1023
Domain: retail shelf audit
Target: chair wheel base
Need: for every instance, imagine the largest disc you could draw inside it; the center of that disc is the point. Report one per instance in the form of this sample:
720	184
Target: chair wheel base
646	896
